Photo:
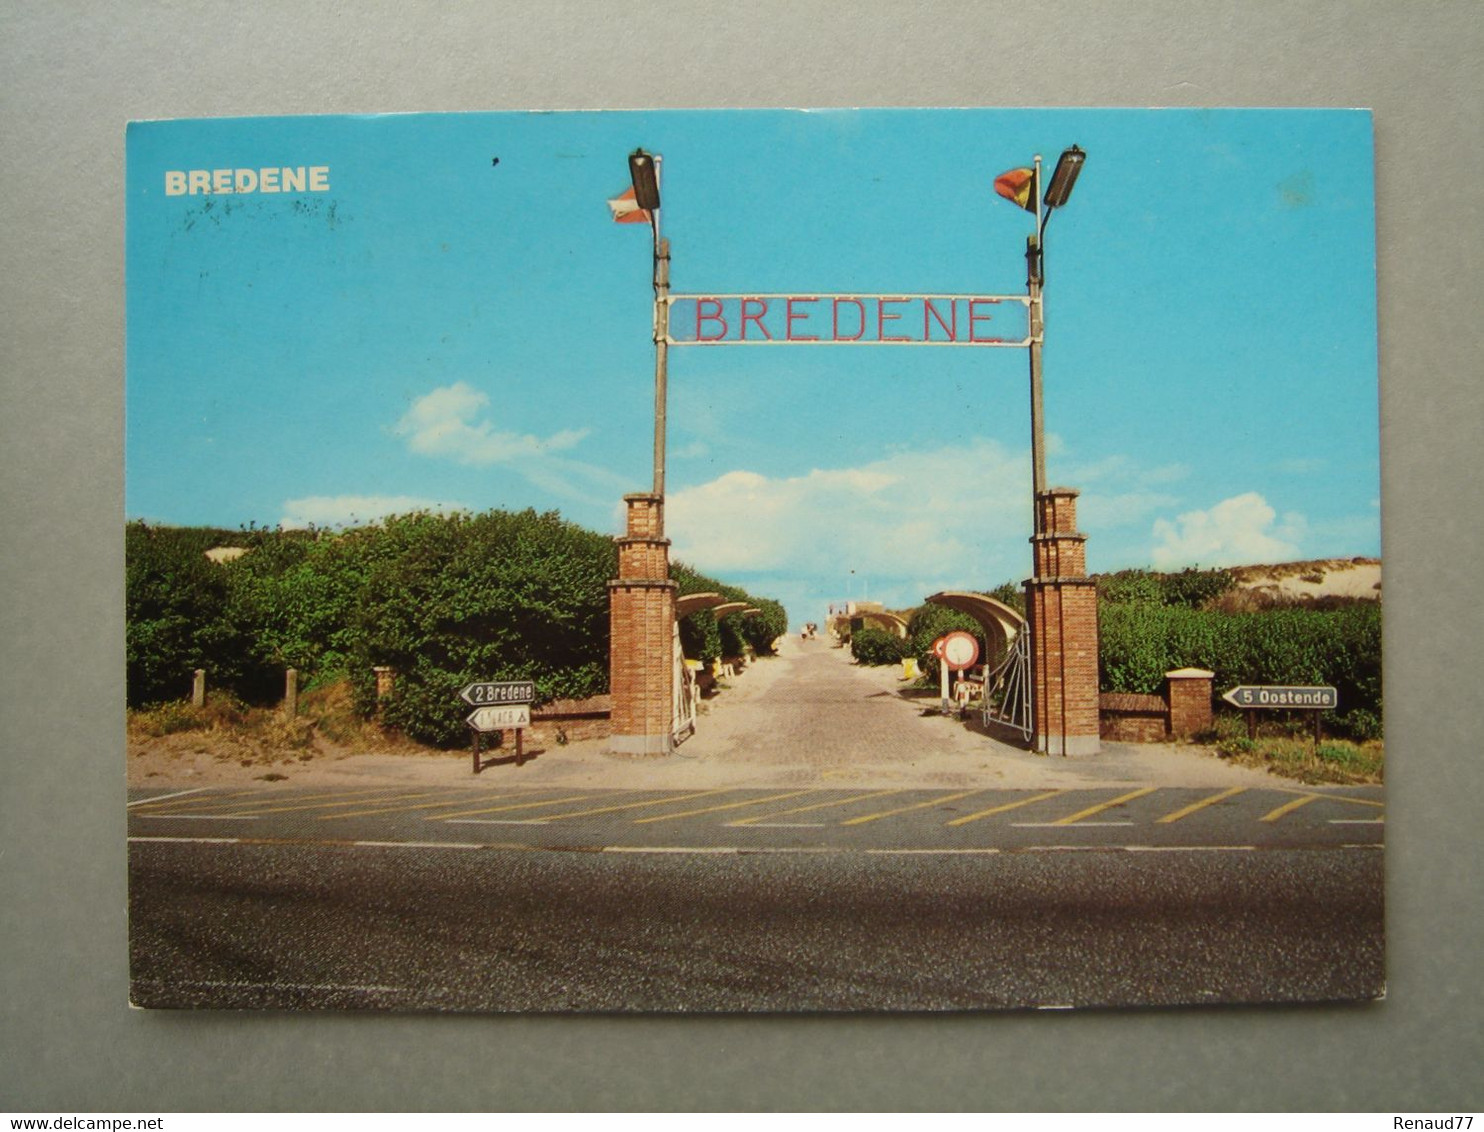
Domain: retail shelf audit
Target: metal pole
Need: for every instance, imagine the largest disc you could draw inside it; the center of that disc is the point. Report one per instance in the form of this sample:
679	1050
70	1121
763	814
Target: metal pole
661	350
1034	261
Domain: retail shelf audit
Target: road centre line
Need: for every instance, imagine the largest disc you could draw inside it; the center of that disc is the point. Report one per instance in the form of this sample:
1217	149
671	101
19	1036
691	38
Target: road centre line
814	806
1101	806
496	821
460	798
1062	824
965	820
1195	807
908	809
1357	821
636	805
1289	807
164	797
505	809
719	809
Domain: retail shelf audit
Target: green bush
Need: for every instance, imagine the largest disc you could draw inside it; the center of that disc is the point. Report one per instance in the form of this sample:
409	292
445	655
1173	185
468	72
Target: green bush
877	646
442	600
1292	645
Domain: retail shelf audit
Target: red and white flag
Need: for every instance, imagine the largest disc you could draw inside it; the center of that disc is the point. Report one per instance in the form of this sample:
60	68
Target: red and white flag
626	210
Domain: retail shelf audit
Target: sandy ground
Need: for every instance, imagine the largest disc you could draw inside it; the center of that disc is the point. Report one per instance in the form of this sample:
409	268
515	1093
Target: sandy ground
1341	577
808	717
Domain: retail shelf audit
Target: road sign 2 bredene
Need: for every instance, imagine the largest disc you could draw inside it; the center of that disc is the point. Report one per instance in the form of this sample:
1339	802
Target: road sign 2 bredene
1310	697
499	692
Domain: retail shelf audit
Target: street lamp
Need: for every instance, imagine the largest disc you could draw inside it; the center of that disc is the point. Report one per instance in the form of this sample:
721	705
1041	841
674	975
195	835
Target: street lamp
644	172
1068	168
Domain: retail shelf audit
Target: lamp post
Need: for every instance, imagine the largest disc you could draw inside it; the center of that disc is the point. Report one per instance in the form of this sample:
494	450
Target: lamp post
644	171
1068	167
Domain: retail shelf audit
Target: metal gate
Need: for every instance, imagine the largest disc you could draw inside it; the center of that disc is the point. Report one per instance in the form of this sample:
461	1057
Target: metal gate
1007	690
685	696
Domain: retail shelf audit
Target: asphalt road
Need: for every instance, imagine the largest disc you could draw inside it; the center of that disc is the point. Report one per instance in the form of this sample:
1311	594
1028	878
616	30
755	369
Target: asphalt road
765	883
453	928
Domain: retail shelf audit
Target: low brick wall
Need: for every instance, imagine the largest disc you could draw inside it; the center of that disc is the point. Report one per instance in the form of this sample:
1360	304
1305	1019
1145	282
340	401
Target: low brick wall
1127	717
576	719
1184	710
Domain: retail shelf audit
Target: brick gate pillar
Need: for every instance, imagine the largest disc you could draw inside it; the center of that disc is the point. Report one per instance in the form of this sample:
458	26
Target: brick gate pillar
1061	606
641	612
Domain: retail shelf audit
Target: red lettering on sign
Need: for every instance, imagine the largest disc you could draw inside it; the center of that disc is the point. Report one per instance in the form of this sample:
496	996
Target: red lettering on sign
973	318
792	318
882	318
762	305
928	310
713	315
835	320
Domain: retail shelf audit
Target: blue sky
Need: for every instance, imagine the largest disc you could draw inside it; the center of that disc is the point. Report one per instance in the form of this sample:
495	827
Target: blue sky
441	330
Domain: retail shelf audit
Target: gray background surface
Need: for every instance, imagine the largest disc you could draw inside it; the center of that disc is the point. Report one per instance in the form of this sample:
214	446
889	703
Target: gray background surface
74	73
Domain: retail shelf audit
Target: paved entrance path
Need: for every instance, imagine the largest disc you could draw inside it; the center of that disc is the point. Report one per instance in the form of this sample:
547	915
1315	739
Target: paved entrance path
811	714
809	717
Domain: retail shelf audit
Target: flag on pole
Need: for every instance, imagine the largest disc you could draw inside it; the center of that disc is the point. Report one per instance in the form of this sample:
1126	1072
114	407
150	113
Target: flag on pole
1019	186
626	210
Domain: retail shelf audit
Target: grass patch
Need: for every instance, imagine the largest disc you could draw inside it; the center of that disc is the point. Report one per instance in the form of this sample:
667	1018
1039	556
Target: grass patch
1289	749
327	723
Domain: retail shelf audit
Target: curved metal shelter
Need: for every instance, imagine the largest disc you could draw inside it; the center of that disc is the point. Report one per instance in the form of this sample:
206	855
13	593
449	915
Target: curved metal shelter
695	603
1007	667
1002	624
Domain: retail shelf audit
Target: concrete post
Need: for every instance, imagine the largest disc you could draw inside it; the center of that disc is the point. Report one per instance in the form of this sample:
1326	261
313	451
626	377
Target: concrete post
291	694
198	688
386	680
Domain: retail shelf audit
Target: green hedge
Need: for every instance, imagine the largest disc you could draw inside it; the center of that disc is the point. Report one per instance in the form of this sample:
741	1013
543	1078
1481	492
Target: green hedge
1340	646
877	646
443	600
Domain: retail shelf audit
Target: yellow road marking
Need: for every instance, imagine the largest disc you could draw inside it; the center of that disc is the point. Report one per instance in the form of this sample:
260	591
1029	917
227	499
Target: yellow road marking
334	805
447	800
208	800
636	805
719	809
1231	792
1357	801
517	806
1289	807
908	809
1101	806
815	806
966	819
220	802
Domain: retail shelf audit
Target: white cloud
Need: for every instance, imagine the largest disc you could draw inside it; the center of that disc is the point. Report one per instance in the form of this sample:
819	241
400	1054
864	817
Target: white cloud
1236	531
451	422
348	510
907	524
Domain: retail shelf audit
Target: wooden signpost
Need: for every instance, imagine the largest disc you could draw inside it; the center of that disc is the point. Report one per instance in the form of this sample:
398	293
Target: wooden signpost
1282	697
500	706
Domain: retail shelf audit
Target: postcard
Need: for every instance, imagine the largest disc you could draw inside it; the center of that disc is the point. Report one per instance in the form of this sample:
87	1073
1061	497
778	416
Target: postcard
753	561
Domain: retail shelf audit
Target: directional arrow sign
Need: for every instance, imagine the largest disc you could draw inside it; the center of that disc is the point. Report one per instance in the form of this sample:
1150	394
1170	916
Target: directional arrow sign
500	692
491	718
1321	698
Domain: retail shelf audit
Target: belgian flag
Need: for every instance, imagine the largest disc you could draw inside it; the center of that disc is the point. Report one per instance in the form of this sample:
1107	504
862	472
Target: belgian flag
1019	186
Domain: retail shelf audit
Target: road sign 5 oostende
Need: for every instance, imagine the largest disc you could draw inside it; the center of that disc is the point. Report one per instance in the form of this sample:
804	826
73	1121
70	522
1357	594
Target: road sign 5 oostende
1279	696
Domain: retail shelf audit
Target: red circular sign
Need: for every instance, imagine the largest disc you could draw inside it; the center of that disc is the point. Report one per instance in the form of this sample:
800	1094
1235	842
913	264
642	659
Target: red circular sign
960	650
938	647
